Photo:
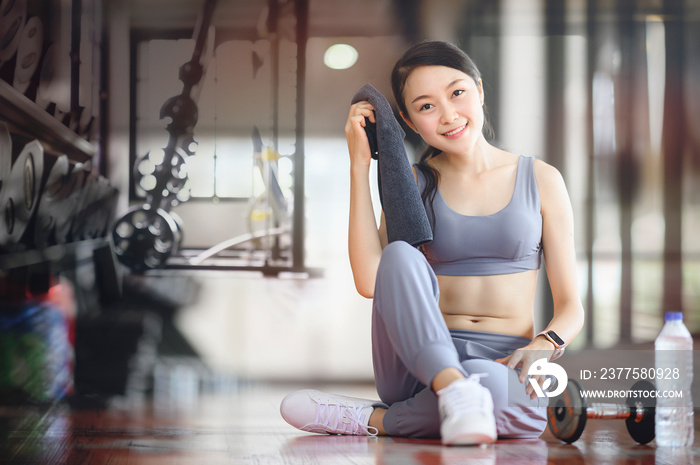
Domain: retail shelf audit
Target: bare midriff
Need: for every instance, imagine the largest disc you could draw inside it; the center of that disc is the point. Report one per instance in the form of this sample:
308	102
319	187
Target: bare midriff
496	304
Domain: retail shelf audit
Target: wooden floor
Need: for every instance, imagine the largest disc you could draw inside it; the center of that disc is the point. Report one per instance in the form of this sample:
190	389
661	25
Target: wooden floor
243	426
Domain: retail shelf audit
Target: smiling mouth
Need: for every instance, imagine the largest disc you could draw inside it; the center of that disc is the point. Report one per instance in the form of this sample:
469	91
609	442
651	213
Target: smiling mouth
455	131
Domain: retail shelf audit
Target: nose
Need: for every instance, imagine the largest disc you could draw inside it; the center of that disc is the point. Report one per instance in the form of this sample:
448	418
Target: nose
449	114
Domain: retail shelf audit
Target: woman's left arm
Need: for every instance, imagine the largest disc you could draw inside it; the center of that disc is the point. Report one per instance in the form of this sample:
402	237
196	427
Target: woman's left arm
559	253
560	259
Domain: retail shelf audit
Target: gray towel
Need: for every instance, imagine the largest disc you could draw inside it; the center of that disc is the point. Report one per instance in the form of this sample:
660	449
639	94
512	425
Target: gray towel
404	211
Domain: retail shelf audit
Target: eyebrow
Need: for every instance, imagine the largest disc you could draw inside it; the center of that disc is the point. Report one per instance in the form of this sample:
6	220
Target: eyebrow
420	97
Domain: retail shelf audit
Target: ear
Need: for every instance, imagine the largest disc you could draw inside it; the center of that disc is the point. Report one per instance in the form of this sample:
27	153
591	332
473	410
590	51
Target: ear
480	85
408	121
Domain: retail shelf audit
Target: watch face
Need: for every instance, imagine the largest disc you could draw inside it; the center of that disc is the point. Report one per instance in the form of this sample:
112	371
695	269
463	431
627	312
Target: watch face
555	337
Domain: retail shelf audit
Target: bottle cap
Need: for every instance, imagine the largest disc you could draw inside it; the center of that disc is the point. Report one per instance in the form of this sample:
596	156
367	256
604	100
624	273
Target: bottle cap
674	316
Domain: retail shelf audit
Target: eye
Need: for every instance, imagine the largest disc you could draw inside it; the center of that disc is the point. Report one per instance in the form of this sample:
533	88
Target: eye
427	106
458	92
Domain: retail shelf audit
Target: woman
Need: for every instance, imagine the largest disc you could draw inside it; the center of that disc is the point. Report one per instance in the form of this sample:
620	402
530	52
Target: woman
452	327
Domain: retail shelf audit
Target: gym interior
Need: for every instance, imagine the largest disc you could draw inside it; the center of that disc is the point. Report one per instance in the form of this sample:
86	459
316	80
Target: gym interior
174	190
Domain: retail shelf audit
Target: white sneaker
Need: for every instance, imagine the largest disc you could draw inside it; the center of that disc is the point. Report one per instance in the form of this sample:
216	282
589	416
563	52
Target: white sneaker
466	413
318	412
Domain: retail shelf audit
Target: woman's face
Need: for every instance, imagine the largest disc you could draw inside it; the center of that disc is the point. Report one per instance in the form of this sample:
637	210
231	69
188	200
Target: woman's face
445	107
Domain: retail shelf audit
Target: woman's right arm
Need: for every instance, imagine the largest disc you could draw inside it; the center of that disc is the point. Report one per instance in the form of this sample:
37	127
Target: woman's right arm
365	242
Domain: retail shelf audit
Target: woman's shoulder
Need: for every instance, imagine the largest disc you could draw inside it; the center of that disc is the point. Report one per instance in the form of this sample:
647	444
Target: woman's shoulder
546	173
418	175
415	170
550	182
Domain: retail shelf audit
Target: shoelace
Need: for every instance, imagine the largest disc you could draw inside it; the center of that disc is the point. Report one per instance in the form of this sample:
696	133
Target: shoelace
343	418
459	402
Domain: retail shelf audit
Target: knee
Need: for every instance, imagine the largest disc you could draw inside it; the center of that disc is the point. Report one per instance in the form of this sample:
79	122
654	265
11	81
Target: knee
495	378
399	255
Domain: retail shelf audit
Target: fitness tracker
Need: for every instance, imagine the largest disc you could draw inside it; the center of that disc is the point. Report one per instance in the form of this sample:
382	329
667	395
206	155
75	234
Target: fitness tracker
553	338
558	342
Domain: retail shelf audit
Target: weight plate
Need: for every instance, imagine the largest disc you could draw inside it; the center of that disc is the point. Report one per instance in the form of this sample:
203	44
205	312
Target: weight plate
21	193
5	153
45	91
49	208
31	42
566	415
67	202
643	430
144	238
55	75
13	14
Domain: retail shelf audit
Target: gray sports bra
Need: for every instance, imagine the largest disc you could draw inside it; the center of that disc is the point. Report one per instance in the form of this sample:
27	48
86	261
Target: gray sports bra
508	241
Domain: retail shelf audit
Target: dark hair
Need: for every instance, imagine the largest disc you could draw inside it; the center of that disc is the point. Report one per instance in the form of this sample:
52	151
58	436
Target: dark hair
432	53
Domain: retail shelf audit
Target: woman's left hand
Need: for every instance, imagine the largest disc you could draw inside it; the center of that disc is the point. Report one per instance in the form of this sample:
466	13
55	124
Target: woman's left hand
525	357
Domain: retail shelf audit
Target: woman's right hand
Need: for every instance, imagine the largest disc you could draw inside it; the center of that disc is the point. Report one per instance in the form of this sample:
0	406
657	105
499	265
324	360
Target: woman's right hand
358	145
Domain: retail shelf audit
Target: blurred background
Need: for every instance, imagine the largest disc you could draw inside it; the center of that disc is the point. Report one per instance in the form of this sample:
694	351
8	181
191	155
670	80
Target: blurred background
175	177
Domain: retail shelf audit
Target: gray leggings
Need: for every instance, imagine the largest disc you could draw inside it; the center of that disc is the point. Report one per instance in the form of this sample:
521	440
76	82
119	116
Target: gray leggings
411	344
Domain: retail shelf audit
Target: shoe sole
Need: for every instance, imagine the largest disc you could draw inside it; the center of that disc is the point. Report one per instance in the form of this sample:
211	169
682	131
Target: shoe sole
471	439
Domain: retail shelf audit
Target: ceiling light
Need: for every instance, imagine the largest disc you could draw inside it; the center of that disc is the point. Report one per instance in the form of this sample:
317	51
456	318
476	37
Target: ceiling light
340	56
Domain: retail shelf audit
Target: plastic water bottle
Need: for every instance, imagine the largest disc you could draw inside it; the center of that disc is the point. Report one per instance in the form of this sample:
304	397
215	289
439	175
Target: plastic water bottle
674	372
